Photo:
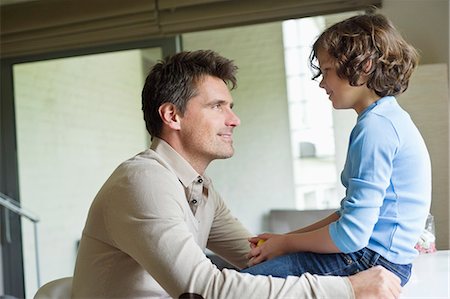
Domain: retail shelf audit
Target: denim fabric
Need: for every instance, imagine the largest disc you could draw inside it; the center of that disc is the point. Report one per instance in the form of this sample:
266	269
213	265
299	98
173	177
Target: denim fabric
336	264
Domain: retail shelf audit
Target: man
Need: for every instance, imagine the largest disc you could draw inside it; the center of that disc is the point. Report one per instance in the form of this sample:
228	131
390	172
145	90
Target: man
150	223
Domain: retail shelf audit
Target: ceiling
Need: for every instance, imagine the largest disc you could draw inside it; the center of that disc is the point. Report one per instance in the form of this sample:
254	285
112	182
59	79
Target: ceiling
32	27
6	2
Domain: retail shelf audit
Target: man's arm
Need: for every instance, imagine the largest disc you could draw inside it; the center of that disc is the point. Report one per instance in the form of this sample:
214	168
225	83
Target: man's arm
228	237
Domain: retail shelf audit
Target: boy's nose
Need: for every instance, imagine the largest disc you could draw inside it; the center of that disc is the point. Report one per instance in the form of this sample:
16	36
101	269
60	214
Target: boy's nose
322	83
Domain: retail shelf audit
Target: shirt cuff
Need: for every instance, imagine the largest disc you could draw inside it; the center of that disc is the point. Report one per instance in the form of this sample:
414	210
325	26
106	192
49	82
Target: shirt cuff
336	287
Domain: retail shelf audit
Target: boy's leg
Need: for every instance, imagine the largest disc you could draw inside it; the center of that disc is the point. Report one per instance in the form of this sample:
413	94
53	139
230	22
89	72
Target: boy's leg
337	264
298	263
281	266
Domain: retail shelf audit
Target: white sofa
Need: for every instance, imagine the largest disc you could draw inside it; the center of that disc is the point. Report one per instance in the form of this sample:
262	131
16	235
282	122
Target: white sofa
430	277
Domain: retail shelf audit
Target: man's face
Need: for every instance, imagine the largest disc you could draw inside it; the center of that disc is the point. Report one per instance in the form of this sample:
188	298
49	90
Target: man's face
206	128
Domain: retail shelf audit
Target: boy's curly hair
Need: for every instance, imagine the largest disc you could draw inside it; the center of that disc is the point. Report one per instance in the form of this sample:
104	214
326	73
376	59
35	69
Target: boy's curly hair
368	40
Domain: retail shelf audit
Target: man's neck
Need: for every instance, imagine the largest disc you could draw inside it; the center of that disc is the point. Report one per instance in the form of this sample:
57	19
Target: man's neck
199	165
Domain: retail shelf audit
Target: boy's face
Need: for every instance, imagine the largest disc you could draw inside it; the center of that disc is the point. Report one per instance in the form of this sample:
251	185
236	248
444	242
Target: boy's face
206	127
339	90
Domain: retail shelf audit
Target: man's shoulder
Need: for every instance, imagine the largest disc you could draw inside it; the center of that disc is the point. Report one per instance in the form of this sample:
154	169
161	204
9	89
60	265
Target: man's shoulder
137	177
148	159
146	168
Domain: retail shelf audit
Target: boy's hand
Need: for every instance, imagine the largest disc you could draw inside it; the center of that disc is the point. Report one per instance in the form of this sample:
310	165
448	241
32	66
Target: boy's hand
264	247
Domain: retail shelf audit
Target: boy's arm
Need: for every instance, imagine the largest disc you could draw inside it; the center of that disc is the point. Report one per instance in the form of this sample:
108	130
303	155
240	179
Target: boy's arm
318	240
321	223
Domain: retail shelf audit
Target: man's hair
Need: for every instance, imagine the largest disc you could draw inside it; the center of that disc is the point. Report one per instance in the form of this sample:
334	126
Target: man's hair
175	80
359	40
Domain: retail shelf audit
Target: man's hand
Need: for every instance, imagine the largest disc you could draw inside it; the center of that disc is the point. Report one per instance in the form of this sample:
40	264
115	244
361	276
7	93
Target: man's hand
376	283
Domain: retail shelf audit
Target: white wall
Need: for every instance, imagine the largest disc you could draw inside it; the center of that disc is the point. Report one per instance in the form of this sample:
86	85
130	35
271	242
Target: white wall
77	119
259	177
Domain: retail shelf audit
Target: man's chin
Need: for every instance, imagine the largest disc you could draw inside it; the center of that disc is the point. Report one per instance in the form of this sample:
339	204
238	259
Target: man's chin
225	155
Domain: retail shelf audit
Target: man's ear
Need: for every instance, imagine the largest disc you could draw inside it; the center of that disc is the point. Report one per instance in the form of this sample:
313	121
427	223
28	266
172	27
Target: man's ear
170	115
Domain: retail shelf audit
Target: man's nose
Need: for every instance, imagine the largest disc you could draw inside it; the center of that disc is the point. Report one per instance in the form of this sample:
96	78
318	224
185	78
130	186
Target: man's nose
232	119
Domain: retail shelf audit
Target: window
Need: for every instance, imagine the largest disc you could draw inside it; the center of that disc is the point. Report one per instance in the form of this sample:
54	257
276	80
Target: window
311	119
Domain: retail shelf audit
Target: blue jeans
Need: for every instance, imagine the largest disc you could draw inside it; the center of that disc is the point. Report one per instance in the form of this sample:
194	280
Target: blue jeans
336	264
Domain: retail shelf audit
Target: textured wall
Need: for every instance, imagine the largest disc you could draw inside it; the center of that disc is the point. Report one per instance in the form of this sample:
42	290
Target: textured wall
425	24
426	100
77	118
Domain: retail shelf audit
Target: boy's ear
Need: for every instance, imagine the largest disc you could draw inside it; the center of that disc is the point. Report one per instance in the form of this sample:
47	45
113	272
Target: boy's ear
368	66
170	115
366	70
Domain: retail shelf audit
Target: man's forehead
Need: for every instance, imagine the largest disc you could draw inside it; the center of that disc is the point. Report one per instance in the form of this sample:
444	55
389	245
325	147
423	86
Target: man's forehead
209	95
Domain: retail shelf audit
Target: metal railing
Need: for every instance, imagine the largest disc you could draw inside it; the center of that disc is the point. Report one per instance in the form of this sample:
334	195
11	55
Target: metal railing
12	205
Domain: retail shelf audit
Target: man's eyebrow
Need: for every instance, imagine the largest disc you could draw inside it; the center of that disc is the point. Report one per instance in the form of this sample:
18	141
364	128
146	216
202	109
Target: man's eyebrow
222	102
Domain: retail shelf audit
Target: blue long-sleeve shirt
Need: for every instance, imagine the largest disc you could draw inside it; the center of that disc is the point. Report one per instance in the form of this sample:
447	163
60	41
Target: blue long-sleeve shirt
387	176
